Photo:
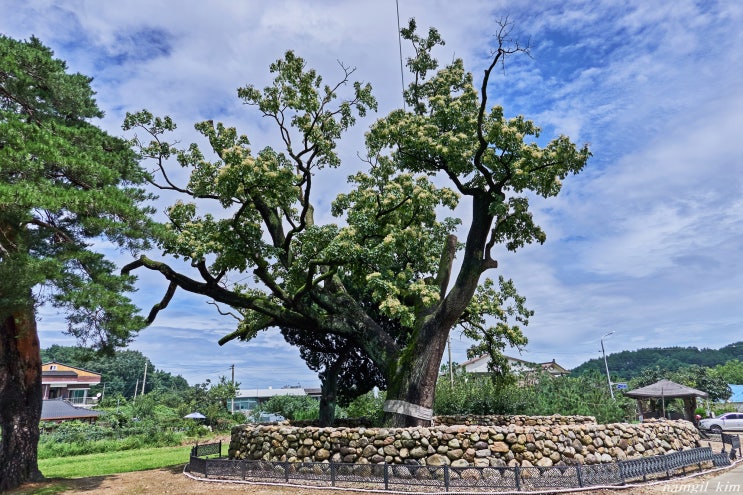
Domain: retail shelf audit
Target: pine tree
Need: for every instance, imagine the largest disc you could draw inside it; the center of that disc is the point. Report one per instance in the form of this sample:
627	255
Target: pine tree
64	184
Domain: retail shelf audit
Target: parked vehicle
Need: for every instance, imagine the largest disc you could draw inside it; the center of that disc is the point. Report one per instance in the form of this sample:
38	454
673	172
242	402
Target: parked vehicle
727	422
265	417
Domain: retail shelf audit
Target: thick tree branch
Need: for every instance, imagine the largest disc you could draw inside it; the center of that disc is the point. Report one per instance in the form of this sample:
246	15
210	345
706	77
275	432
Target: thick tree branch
445	265
256	303
156	308
473	262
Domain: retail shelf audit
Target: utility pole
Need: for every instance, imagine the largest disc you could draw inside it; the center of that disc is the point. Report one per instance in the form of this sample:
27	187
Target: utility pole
232	407
145	378
451	370
136	387
606	365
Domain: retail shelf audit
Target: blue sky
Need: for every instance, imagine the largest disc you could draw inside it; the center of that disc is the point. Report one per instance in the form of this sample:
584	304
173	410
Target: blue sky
646	242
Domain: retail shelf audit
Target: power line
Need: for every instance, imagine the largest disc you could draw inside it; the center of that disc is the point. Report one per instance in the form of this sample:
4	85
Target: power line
399	44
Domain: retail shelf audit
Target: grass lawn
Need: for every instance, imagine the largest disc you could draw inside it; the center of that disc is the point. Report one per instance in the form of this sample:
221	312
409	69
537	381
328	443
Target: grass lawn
83	466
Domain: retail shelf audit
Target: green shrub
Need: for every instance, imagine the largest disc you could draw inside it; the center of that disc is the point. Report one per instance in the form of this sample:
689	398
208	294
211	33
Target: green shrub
367	406
478	395
76	438
540	395
293	407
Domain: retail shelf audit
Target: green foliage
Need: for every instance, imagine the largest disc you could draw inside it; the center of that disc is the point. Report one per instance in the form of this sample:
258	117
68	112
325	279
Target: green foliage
66	188
76	438
153	419
211	400
143	407
382	279
292	407
64	183
629	364
367	406
586	395
730	372
478	395
508	309
694	376
535	394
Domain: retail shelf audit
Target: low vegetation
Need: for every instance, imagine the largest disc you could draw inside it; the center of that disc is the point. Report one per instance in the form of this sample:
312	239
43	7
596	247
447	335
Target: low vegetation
75	438
101	464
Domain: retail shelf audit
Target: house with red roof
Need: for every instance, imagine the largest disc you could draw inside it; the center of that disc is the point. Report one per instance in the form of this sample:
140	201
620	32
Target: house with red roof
60	381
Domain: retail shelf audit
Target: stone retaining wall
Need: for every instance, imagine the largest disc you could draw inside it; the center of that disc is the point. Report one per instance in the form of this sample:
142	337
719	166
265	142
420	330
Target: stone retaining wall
462	445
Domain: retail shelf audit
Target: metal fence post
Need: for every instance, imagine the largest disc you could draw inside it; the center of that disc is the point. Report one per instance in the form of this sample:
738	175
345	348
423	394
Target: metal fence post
332	473
668	468
579	473
286	471
517	477
243	468
446	477
386	476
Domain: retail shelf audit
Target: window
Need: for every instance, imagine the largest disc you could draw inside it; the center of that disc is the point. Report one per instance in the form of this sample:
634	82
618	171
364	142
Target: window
77	396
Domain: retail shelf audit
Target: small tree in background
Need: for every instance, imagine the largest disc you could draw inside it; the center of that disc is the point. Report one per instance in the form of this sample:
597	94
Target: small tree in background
368	406
292	407
731	372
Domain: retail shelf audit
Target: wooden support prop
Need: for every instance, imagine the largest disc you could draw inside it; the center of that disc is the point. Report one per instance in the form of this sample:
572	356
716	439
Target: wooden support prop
408	409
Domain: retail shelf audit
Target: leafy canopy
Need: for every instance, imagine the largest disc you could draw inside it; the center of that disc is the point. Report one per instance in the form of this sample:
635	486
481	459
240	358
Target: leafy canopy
383	275
64	185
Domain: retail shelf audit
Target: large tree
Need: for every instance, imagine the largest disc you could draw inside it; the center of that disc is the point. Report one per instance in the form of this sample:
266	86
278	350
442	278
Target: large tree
391	252
64	184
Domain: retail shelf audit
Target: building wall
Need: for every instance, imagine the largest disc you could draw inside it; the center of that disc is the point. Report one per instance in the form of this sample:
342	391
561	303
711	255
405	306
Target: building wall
60	381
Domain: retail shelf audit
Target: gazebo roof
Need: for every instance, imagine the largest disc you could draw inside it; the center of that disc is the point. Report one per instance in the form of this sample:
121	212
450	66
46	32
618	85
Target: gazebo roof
665	388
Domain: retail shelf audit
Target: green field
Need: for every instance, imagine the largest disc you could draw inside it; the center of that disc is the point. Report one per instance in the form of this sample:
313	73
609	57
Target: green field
83	466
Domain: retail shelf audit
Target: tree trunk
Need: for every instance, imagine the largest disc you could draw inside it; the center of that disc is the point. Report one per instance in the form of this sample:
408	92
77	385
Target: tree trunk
21	398
414	381
328	398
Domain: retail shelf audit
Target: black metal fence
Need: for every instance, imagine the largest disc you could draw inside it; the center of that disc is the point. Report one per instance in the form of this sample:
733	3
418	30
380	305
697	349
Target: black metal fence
734	442
402	477
207	449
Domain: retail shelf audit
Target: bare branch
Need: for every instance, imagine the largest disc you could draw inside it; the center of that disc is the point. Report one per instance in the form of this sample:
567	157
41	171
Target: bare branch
224	313
163	303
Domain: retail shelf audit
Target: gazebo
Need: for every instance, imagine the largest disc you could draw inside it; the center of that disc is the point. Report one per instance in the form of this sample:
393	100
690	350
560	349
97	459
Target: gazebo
666	389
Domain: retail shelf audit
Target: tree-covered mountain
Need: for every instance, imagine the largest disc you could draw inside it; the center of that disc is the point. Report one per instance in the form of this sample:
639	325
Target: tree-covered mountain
121	372
627	365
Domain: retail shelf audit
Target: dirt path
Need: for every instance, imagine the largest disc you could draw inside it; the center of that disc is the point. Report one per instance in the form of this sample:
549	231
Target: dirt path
173	481
158	481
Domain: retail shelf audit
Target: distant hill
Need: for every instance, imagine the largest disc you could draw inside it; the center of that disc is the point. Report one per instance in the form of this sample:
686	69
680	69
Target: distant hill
628	364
